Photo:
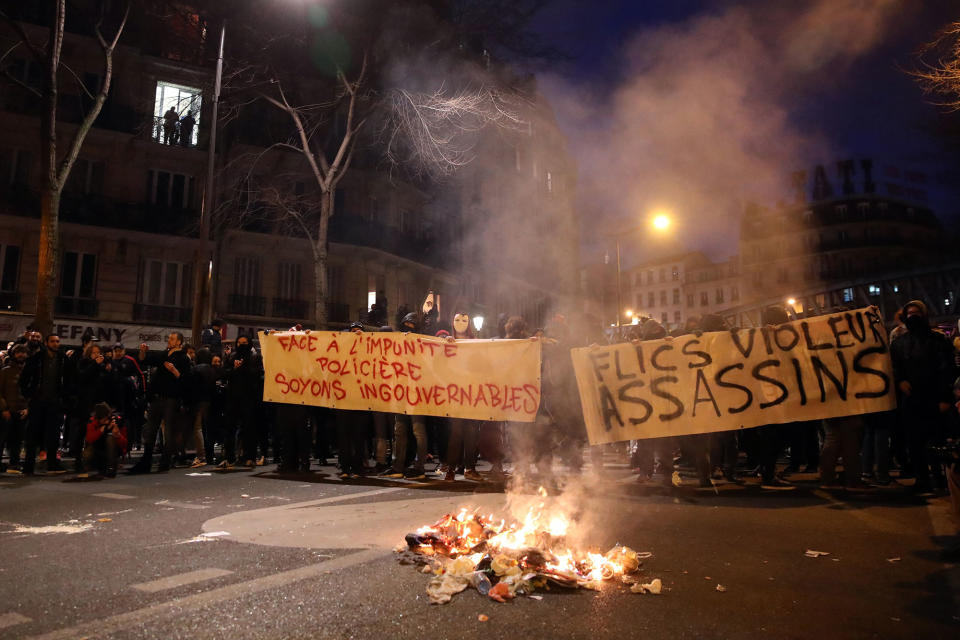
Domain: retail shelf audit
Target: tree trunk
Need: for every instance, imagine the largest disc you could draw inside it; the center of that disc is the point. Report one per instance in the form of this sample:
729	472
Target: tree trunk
47	265
320	254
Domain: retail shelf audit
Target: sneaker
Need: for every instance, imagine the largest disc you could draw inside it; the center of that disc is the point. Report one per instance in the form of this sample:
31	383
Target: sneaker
414	474
777	485
261	461
197	463
392	473
12	471
343	475
381	468
225	464
83	475
449	476
250	464
473	474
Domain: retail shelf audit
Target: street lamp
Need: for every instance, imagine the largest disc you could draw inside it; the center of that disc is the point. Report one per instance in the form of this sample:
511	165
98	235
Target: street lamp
660	222
201	291
478	323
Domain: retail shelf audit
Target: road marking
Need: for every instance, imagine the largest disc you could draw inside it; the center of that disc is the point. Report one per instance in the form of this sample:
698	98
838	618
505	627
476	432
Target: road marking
12	619
115	496
178	606
171	582
182	505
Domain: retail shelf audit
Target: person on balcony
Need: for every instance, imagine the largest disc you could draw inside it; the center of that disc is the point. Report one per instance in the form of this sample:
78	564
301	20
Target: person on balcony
170	121
187	123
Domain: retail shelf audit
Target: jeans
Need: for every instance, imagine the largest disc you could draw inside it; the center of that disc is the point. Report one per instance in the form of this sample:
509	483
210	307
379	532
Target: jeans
11	435
295	431
103	454
843	436
351	429
401	426
166	411
876	443
462	443
381	434
45	420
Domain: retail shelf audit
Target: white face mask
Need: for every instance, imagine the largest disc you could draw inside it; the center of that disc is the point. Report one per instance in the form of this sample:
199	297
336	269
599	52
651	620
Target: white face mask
461	322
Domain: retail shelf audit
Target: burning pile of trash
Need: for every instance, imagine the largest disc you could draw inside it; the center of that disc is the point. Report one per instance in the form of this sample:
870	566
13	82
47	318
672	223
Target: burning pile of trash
503	559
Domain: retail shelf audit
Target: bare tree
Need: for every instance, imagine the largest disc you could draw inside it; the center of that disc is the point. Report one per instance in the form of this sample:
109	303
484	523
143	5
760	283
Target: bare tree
55	163
939	68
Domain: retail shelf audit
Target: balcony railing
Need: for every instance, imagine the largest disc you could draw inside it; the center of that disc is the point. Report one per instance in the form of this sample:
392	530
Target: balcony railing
157	313
247	305
286	308
172	137
87	307
9	301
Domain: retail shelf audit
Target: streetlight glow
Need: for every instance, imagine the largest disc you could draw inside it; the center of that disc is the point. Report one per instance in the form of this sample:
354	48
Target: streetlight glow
792	301
661	221
629	313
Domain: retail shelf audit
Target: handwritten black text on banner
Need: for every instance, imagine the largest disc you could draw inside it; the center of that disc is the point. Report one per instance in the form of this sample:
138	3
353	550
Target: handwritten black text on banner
828	366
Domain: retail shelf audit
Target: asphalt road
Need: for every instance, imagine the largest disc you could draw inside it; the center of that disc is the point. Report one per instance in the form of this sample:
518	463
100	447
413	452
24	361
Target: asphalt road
251	555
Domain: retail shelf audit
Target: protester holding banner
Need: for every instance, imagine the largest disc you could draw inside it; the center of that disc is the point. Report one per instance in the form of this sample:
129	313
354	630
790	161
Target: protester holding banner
924	372
462	433
352	427
404	423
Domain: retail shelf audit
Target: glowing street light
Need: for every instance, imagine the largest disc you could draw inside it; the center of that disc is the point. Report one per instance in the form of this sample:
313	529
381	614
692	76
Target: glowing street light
629	313
478	323
792	301
661	221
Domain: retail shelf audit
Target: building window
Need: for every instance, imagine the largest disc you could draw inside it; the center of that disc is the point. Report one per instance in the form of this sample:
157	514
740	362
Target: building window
874	289
847	294
15	166
86	178
676	317
663	297
842	236
549	182
676	296
639	300
166	189
9	268
841	211
663	318
246	276
166	284
675	273
288	280
807	216
176	114
734	293
663	275
689	299
651	300
782	274
650	276
719	295
79	275
704	299
757	278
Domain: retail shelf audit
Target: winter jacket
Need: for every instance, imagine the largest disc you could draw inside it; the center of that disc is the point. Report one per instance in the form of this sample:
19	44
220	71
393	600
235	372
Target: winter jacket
94	433
11	398
163	382
925	360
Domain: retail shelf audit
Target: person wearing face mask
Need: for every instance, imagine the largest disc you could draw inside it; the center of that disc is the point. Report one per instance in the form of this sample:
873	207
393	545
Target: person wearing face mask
923	370
462	434
166	391
13	407
243	372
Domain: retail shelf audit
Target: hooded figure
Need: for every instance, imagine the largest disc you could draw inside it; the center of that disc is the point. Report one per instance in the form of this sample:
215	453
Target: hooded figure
924	372
652	330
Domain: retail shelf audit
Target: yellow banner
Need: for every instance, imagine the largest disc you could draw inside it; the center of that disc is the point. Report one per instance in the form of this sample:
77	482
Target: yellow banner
403	373
828	366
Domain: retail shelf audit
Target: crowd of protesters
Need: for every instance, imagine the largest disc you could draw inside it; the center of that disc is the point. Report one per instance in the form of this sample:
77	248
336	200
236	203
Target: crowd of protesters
101	406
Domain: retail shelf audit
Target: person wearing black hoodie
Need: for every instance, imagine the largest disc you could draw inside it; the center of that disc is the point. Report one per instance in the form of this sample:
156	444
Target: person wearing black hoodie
166	391
43	383
924	372
243	371
770	438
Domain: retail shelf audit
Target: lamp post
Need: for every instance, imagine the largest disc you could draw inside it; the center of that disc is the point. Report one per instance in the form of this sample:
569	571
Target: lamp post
660	221
203	274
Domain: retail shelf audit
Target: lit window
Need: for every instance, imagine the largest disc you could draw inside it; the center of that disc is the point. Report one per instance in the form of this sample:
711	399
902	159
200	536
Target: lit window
848	294
176	114
874	289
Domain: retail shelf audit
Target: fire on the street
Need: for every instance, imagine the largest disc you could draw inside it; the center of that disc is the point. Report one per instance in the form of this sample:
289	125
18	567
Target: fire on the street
504	559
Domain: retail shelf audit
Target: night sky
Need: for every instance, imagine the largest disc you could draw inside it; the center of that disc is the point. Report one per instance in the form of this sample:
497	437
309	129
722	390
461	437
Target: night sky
861	105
